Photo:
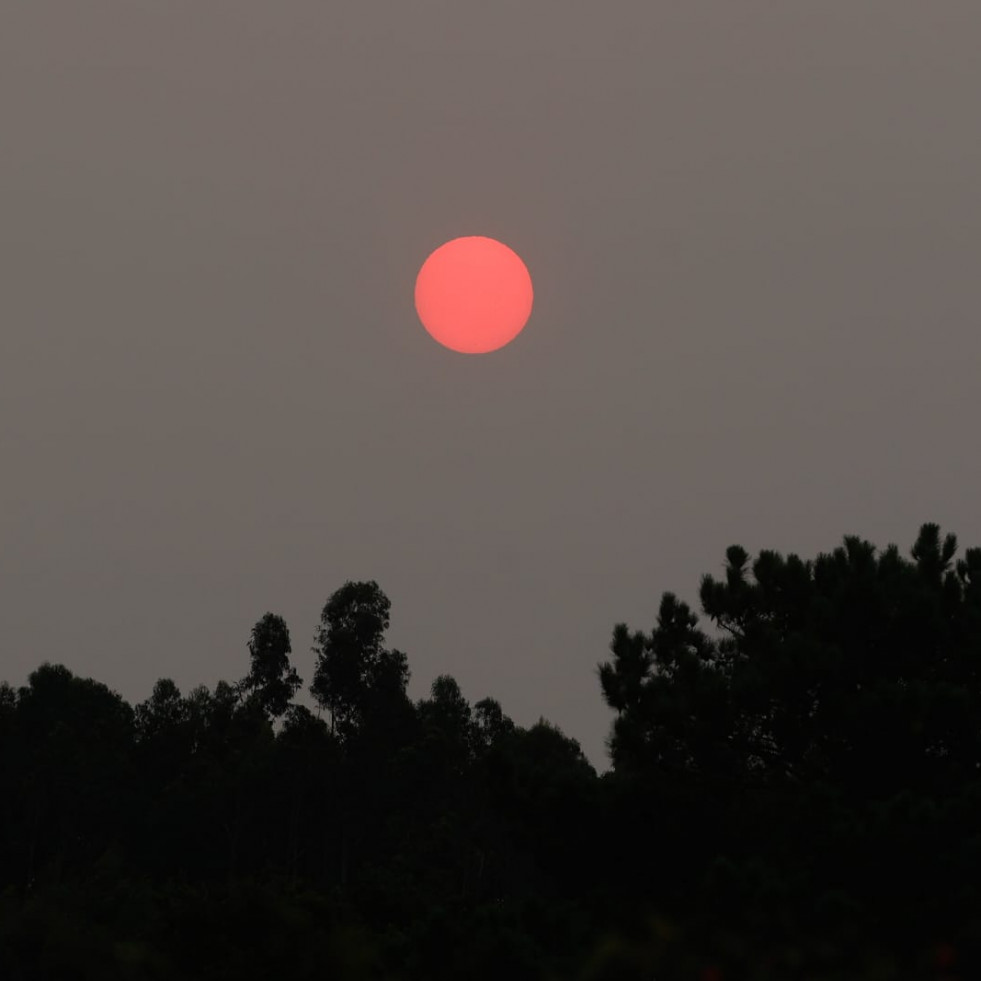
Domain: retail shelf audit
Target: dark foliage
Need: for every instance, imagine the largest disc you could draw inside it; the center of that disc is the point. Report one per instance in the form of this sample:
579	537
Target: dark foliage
271	682
799	798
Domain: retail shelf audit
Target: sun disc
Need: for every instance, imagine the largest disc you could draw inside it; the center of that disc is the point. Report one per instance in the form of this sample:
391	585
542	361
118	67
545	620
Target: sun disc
474	294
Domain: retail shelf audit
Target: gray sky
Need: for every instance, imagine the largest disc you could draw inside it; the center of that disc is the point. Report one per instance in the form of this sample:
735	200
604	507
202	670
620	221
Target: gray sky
754	230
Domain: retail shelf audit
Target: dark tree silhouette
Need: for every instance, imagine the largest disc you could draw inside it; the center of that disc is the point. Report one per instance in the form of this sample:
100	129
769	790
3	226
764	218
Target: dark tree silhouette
668	693
72	738
352	661
797	797
447	723
163	714
272	681
834	727
491	725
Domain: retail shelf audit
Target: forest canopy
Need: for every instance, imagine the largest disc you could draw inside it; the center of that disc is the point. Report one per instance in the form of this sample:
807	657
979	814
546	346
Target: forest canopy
798	797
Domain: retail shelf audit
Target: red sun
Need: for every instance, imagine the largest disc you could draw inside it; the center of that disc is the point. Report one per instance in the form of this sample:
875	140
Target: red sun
474	294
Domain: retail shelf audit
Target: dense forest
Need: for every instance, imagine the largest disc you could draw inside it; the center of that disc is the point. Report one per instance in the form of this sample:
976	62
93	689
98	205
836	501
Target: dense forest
796	797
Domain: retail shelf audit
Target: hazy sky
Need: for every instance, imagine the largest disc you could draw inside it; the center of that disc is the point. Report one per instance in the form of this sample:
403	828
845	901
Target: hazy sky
754	230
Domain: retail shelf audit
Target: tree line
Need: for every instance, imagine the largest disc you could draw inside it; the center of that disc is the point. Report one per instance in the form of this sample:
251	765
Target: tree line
797	798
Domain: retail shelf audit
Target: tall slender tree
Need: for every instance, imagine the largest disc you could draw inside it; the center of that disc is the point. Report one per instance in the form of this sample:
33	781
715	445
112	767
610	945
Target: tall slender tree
272	681
353	663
